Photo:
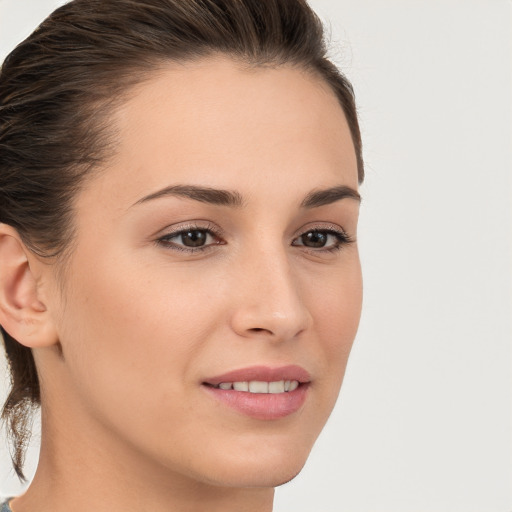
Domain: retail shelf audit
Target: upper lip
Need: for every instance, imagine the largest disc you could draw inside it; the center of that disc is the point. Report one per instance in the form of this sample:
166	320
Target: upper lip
262	373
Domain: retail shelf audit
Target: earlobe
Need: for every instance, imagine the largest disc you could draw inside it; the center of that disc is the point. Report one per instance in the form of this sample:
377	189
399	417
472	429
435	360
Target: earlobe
22	314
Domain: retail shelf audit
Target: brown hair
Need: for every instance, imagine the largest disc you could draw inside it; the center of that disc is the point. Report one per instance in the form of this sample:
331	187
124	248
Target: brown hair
59	86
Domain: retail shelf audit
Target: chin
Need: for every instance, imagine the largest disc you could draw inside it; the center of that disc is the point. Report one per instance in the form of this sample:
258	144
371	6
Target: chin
258	478
264	468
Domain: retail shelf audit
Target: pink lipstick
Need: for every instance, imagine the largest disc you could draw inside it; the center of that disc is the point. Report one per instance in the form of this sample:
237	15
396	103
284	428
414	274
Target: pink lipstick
261	392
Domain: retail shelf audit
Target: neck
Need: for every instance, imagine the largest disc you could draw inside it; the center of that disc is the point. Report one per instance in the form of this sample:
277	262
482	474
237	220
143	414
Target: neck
82	470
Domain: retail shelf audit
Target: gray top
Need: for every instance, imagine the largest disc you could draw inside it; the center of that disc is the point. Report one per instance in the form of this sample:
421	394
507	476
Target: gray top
5	507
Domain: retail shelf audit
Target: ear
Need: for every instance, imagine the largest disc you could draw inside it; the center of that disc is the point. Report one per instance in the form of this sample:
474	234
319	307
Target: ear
22	314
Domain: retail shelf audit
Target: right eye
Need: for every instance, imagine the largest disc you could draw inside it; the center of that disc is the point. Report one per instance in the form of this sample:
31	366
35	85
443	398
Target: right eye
190	239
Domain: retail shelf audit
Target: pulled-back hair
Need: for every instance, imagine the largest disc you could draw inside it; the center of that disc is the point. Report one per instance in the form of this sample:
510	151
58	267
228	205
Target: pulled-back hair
60	86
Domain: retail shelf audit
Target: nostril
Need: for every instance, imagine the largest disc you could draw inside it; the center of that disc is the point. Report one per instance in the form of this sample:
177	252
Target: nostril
260	329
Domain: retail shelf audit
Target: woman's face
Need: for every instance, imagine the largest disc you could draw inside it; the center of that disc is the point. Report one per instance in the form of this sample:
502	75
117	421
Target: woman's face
217	250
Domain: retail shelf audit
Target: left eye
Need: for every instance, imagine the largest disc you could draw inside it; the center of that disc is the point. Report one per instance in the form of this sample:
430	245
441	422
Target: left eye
320	239
190	238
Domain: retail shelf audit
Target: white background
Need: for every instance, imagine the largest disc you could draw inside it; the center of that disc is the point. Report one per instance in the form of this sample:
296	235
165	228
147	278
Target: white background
424	421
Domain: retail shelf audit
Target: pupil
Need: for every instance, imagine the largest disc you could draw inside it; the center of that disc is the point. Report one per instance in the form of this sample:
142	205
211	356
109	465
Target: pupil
193	238
314	239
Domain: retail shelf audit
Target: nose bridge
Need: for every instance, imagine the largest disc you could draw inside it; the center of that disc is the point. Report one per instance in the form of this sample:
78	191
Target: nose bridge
270	301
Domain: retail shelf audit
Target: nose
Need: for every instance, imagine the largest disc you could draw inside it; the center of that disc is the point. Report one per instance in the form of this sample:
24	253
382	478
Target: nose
270	299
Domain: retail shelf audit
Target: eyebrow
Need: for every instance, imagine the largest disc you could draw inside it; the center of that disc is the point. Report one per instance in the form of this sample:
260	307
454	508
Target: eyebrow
203	194
328	196
234	199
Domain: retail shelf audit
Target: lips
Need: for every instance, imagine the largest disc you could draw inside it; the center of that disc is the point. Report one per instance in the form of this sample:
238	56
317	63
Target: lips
261	392
262	373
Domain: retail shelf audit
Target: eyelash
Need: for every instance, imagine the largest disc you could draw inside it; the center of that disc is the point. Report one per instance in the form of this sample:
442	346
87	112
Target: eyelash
342	239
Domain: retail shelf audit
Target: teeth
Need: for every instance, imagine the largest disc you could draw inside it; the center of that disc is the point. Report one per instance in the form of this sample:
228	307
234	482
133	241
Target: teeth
276	387
241	386
294	385
258	386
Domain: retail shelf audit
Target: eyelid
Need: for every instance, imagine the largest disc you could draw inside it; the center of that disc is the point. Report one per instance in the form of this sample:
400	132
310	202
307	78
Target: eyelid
319	226
343	238
160	238
200	225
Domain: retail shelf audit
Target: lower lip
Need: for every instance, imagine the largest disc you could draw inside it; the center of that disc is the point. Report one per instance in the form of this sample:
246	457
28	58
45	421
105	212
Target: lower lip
262	406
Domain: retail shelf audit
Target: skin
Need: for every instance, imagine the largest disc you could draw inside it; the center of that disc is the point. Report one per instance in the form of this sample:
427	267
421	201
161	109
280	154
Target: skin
124	341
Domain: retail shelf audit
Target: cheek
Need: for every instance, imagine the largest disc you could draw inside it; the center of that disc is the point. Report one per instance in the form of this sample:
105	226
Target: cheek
336	313
129	328
130	345
337	300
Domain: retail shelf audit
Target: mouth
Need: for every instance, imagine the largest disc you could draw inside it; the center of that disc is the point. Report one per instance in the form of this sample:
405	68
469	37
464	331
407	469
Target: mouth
259	386
260	392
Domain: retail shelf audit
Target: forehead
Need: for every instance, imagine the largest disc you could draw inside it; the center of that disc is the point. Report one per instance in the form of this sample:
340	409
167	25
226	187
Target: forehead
218	123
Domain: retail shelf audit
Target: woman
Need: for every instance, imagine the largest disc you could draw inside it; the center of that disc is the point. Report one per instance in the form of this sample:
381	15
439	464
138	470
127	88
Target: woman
180	283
